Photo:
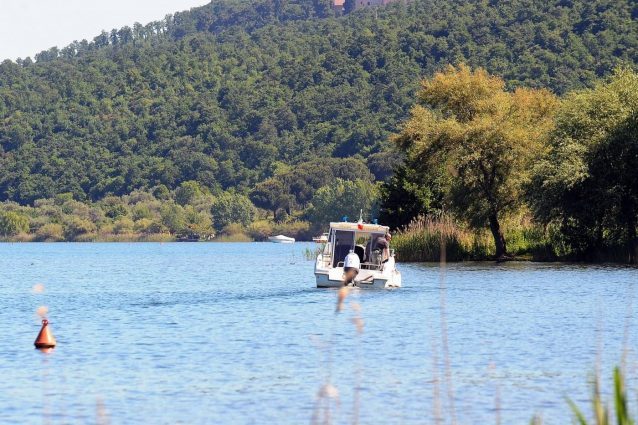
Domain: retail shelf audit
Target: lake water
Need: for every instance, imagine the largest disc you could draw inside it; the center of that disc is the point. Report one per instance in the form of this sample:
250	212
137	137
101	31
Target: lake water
238	334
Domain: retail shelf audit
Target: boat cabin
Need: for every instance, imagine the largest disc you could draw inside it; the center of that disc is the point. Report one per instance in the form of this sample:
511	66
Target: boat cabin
359	237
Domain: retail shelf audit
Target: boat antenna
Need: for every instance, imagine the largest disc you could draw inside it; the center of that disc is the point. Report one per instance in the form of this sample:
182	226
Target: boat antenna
361	216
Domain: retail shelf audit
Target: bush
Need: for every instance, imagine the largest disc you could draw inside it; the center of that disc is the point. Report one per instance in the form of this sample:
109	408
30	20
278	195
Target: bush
142	211
113	207
123	225
173	218
75	227
161	192
233	229
12	223
229	208
146	225
299	230
50	232
187	192
198	222
260	230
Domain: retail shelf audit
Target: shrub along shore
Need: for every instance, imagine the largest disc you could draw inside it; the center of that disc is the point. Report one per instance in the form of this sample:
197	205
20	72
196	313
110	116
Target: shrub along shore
158	216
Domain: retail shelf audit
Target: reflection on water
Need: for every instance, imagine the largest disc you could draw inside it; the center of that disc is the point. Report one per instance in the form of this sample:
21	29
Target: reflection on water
237	333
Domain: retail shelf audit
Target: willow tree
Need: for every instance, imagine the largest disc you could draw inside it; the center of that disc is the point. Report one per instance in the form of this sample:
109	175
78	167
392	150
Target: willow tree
483	137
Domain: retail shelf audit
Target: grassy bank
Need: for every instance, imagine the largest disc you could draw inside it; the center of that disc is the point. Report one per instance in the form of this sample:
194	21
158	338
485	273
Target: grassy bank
423	239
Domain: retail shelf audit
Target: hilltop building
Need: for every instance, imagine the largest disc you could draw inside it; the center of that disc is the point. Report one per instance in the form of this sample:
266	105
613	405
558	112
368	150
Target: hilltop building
338	5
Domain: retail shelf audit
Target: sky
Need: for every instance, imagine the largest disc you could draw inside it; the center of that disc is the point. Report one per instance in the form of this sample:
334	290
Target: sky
29	26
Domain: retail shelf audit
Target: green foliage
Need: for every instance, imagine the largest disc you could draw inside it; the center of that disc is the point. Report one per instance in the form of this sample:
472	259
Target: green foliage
13	223
295	188
479	141
161	192
75	227
601	411
234	232
410	193
187	192
273	195
344	198
259	230
300	230
50	232
173	218
123	226
137	216
587	184
232	208
198	223
224	93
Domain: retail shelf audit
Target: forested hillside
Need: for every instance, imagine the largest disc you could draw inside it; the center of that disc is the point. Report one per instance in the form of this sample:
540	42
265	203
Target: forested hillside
228	93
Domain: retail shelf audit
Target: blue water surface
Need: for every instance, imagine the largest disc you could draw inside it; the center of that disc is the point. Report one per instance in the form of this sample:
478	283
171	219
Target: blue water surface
237	333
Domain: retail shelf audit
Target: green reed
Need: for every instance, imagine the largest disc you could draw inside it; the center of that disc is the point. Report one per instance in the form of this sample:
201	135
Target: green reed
601	410
420	241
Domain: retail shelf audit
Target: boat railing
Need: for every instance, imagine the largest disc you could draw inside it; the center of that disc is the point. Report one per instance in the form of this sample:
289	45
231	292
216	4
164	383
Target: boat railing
365	266
324	260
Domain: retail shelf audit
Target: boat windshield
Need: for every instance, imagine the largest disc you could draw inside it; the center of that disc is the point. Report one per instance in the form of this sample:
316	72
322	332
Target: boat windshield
362	243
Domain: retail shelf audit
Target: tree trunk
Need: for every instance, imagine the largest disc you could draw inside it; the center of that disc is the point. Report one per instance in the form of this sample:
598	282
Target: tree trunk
632	240
499	239
628	210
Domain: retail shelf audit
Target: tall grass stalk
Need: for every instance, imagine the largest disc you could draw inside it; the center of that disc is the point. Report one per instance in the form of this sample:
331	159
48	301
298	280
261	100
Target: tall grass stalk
444	333
311	254
601	410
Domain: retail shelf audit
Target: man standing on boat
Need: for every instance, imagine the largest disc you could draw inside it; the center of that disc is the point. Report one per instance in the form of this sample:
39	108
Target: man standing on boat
381	248
351	266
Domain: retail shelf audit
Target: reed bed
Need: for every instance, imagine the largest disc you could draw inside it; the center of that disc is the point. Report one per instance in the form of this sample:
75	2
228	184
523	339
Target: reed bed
235	237
422	239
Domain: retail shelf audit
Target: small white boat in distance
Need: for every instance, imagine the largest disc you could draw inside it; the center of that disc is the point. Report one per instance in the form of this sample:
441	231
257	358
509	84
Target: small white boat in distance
281	239
359	237
321	239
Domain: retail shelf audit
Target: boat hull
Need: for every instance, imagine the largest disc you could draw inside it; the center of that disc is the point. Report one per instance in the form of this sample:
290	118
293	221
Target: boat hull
370	279
281	239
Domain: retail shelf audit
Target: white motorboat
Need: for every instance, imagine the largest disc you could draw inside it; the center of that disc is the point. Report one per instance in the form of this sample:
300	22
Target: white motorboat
359	237
281	239
321	239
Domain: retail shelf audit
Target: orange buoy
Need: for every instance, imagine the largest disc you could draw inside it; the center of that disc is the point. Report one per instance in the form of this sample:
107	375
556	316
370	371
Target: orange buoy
45	338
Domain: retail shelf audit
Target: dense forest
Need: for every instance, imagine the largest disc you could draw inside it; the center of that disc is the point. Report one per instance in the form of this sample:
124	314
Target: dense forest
250	98
224	93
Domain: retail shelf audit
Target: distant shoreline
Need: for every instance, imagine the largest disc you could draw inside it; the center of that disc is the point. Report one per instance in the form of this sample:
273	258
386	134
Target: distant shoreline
129	238
164	238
